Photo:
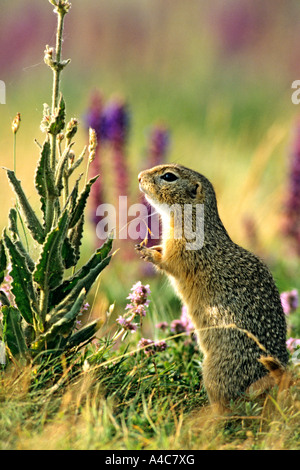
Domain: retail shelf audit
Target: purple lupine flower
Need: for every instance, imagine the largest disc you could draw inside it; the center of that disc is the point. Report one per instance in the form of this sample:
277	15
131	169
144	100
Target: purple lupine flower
158	146
289	301
292	344
116	121
237	26
291	223
116	125
94	120
159	141
19	34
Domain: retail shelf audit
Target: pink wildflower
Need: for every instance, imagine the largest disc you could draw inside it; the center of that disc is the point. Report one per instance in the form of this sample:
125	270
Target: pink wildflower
151	347
183	324
160	345
289	301
292	344
139	299
149	351
163	325
139	293
127	324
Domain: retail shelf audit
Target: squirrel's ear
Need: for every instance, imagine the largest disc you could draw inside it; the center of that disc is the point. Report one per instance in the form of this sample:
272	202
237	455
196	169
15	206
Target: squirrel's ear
197	190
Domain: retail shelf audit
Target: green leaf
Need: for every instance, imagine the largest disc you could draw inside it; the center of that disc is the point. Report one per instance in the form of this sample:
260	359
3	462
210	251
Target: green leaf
44	177
31	219
3	261
68	254
12	331
12	216
13	226
85	276
3	298
85	283
84	334
49	270
64	322
78	211
40	174
57	122
75	236
22	286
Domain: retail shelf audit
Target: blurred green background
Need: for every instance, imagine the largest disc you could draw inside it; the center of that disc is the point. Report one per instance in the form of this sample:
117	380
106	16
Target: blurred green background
219	75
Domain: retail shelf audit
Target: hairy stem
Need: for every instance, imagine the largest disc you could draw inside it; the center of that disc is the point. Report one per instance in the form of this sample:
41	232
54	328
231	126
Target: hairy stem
15	152
57	68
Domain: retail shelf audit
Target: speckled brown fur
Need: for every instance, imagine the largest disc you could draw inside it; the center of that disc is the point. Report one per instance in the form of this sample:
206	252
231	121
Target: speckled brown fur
228	291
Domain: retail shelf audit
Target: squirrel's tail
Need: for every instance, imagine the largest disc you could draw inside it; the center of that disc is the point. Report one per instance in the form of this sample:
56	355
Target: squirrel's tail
276	371
274	367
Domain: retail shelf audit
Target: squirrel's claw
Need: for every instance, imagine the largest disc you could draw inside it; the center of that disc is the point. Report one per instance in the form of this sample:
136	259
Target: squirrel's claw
153	254
141	250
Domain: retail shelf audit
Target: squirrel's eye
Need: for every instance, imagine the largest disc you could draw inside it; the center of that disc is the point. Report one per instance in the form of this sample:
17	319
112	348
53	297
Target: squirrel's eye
169	177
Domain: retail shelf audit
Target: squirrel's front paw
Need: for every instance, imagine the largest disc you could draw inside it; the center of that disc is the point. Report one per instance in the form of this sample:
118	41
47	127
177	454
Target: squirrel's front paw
149	254
144	252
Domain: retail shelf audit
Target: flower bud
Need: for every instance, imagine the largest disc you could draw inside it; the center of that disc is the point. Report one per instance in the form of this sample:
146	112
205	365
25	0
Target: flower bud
71	128
92	144
16	123
48	56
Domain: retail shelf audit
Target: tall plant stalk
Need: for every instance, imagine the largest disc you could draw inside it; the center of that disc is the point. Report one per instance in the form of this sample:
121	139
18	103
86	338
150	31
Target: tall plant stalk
57	66
46	303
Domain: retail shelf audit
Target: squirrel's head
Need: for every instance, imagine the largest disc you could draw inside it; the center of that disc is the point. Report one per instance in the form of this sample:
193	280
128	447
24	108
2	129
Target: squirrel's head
175	184
177	193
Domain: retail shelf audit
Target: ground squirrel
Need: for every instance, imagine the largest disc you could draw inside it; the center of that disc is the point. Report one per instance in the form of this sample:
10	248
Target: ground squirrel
230	293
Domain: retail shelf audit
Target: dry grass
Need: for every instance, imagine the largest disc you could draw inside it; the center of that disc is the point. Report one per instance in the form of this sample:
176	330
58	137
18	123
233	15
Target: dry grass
86	414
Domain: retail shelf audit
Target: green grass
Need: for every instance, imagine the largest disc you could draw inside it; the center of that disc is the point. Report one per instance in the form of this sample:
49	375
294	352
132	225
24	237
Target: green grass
230	119
124	402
